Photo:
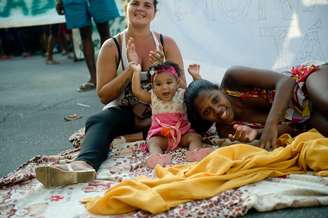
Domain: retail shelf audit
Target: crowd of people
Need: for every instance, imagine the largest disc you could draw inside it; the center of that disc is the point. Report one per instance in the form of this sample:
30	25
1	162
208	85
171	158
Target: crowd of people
36	40
141	81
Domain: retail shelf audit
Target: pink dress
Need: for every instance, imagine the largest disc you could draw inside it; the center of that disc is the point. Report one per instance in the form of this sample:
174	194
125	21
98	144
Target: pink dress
169	119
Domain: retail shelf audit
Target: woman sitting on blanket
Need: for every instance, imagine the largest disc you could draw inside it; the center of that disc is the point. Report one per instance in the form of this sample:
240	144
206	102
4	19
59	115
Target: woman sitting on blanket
253	103
124	114
170	126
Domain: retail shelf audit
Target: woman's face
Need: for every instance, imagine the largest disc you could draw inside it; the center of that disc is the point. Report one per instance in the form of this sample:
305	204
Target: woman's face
140	12
213	106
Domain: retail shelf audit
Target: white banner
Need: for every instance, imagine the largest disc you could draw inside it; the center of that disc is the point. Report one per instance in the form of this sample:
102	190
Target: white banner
18	13
272	34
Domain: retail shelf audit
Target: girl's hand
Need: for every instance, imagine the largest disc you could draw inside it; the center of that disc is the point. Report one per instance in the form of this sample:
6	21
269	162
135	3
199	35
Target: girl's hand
131	51
269	136
243	133
194	71
156	57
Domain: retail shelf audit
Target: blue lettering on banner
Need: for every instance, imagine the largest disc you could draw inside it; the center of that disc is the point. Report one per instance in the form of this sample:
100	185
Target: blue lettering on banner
26	7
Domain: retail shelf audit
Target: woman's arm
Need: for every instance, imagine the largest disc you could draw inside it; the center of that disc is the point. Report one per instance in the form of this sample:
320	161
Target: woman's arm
244	77
172	53
110	85
284	89
137	90
238	77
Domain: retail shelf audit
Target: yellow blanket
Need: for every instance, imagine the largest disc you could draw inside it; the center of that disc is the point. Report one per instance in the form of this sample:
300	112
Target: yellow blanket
226	168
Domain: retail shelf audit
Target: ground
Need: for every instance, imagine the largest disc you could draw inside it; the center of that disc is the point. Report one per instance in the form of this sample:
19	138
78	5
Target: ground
35	98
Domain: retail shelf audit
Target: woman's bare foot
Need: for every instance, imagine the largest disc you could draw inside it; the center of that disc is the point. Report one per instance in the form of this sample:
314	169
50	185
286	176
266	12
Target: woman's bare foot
161	159
198	154
65	174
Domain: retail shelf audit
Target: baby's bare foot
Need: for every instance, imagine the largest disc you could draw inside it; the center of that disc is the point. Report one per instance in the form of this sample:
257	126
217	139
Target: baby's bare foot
197	155
161	159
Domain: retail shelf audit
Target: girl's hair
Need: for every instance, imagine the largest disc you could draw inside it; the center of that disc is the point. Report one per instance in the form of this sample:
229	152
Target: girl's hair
167	64
155	4
190	96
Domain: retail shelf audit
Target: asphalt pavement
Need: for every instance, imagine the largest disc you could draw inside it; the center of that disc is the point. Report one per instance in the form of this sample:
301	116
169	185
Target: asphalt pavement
35	98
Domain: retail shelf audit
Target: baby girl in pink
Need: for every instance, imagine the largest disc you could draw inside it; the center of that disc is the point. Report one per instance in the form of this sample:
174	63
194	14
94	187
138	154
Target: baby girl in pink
170	127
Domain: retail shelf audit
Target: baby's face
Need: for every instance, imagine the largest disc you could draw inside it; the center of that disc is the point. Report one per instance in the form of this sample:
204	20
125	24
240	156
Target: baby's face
165	86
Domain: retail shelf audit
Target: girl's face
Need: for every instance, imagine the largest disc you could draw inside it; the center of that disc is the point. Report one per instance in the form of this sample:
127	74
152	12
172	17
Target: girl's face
213	106
140	12
165	86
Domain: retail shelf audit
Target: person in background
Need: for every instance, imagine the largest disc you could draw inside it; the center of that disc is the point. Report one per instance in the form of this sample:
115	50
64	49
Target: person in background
78	14
51	32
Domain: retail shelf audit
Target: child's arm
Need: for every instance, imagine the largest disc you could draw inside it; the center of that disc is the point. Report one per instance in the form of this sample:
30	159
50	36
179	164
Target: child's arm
137	90
193	70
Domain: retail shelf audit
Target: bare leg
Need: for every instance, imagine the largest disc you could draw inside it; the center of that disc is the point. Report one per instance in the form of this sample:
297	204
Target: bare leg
156	145
50	47
103	30
88	52
196	151
317	85
193	140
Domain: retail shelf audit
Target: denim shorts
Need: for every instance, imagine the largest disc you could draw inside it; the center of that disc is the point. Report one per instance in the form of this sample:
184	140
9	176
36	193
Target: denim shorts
78	13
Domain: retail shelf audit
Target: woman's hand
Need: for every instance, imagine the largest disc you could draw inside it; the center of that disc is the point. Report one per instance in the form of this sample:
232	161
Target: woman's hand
194	71
243	133
156	57
131	52
269	136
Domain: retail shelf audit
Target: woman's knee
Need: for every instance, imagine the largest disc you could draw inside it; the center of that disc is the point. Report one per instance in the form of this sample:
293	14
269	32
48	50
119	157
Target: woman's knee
107	119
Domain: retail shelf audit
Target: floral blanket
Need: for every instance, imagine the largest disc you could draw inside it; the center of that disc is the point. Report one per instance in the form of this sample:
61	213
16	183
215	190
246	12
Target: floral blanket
21	195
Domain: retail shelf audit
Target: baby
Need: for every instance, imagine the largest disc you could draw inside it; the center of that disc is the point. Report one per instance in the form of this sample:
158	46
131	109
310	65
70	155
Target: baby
170	126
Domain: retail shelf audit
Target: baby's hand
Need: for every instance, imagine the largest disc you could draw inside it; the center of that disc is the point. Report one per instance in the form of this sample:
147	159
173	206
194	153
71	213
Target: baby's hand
193	70
135	67
243	133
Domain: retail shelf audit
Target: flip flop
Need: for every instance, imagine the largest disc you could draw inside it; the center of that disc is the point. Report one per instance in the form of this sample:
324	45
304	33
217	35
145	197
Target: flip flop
72	117
86	87
50	176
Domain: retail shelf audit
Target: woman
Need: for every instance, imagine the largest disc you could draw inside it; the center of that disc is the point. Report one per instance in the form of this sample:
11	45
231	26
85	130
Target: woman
253	103
123	114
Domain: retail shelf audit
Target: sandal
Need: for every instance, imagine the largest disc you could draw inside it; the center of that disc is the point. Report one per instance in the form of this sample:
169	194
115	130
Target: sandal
51	176
72	117
87	87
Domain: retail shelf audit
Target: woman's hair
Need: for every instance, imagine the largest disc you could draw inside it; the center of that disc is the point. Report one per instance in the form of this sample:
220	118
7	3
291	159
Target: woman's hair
162	66
190	96
155	4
